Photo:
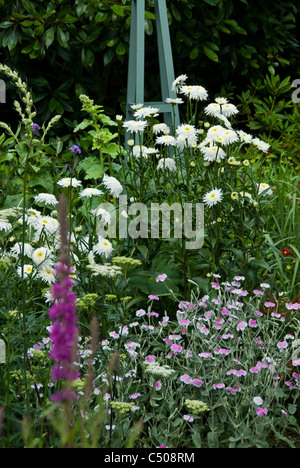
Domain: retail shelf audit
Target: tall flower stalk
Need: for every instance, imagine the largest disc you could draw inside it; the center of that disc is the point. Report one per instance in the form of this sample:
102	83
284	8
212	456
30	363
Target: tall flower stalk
64	329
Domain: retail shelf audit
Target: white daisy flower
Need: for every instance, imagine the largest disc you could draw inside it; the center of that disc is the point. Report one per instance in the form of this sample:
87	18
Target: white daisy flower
261	145
46	198
213	109
194	92
212	153
5	225
41	254
136	106
28	269
113	185
262	187
145	112
135	125
105	215
47	274
229	109
174	101
140	150
213	197
166	140
221	100
187	135
167	163
245	137
178	82
90	192
103	247
16	249
160	128
69	182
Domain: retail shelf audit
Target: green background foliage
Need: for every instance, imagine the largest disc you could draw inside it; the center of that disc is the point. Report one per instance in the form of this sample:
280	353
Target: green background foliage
67	48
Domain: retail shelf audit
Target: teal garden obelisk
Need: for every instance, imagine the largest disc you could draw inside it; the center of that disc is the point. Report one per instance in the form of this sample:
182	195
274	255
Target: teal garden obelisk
136	68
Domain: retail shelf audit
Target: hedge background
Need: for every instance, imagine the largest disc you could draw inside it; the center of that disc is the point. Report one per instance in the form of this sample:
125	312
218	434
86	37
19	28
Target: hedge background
65	48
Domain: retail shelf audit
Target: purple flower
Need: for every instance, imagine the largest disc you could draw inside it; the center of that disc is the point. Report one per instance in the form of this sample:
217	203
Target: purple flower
261	412
64	330
35	127
75	149
162	277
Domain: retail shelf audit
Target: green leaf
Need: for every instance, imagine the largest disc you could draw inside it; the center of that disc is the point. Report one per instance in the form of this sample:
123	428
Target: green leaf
62	37
213	440
101	16
194	54
121	49
95	172
49	36
118	10
210	54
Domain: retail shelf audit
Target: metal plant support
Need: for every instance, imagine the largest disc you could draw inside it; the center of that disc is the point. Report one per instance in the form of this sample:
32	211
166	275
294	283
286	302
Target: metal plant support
136	68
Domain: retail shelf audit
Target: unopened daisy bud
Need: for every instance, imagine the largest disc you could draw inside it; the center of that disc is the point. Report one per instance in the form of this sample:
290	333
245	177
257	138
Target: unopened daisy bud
119	118
130	143
206	124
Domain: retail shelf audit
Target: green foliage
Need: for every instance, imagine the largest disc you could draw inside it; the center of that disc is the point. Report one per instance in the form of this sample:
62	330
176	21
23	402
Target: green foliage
68	50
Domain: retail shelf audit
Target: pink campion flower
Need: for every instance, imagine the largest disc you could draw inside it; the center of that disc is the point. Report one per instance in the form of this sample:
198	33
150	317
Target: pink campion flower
165	320
233	390
252	323
296	362
222	351
258	292
153	297
204	330
231	371
258	401
276	315
261	412
284	412
257	312
186	379
225	311
239	278
153	314
241	325
140	313
157	385
205	355
215	285
176	348
269	304
289	337
161	446
227	336
254	370
162	277
265	285
289	384
185	322
218	386
241	373
197	382
188	418
114	334
282	345
134	396
150	358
